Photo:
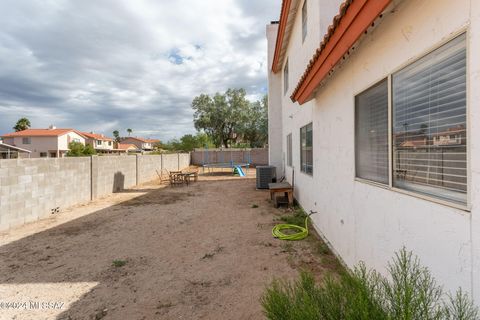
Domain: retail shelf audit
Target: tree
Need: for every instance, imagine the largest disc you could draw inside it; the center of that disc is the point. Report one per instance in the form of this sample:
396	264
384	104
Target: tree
77	149
221	116
116	135
255	129
22	124
129	131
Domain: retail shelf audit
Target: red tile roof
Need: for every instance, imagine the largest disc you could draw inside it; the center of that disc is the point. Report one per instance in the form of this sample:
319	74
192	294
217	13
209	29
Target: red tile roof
281	33
143	140
354	18
96	136
38	133
126	146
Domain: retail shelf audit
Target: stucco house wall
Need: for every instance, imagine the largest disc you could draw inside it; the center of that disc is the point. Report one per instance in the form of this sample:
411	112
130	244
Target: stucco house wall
362	221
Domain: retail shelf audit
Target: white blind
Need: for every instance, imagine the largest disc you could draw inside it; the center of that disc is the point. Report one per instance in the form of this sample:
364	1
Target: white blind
371	133
429	124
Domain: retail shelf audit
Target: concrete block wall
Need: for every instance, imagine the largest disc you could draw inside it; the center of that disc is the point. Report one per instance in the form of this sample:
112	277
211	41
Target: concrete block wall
112	174
170	162
147	167
255	156
31	188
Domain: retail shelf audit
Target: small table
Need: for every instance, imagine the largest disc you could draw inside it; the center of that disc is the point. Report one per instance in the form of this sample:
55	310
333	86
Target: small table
281	187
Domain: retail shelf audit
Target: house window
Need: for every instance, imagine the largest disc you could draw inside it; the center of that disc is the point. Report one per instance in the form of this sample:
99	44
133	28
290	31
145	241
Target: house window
27	140
304	21
109	143
43	154
289	150
285	78
371	133
306	149
99	142
430	124
76	140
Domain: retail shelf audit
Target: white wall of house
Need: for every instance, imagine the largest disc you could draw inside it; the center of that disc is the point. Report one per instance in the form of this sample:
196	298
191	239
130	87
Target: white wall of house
361	221
65	139
48	145
100	144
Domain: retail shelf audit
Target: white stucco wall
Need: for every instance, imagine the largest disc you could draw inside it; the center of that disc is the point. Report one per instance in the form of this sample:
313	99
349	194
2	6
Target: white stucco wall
366	222
275	134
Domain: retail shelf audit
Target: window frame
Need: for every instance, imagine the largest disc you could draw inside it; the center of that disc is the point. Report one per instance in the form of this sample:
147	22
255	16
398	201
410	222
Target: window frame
301	151
304	20
466	207
289	150
27	139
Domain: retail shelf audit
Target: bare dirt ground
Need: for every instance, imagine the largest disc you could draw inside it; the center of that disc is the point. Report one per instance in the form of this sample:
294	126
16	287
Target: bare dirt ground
202	251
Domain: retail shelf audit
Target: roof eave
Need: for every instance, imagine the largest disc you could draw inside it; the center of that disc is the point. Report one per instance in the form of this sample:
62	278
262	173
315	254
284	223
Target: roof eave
358	17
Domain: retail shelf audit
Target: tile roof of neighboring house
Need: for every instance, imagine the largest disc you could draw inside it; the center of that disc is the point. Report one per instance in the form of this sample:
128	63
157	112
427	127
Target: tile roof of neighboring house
96	136
143	140
38	133
126	146
353	20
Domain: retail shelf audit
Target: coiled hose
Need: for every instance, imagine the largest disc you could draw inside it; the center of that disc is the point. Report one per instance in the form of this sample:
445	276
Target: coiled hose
301	234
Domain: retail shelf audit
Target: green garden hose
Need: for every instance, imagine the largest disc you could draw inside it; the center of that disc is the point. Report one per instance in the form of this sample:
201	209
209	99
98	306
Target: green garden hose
301	234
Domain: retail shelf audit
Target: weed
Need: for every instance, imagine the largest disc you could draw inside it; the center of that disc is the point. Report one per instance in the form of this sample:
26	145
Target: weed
254	206
322	249
119	263
287	247
409	292
297	218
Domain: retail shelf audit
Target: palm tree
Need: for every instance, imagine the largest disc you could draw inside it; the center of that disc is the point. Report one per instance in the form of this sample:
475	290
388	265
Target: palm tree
116	134
129	131
22	124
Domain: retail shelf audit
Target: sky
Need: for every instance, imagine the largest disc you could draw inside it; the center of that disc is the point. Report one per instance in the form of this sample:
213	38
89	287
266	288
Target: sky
104	65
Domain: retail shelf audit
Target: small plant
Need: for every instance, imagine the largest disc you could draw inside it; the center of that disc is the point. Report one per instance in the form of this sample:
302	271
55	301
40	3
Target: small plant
297	218
254	206
322	249
409	293
119	263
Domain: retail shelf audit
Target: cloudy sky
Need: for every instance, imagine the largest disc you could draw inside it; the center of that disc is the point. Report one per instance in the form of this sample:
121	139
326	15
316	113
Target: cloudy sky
101	65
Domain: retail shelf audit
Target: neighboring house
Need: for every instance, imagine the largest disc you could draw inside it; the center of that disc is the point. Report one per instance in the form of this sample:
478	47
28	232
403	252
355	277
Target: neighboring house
126	148
344	98
44	143
11	152
99	142
140	143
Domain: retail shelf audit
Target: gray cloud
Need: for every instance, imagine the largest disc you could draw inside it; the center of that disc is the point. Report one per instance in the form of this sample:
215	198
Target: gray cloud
101	65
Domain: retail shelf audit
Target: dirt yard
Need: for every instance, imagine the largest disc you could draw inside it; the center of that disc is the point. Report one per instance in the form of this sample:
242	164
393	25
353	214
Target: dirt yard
199	252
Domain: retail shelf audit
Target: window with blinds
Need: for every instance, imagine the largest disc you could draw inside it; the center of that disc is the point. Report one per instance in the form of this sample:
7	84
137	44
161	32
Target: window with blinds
371	133
429	124
306	149
289	150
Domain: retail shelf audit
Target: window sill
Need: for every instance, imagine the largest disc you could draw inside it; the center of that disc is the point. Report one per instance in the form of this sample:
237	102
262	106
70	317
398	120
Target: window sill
464	208
306	174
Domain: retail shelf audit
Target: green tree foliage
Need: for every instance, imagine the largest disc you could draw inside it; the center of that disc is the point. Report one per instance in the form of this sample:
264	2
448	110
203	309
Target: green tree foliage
116	135
77	149
22	124
255	129
187	143
229	117
129	131
409	292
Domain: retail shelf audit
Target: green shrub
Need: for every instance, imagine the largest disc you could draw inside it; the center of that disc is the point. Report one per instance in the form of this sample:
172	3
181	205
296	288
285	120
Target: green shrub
409	293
